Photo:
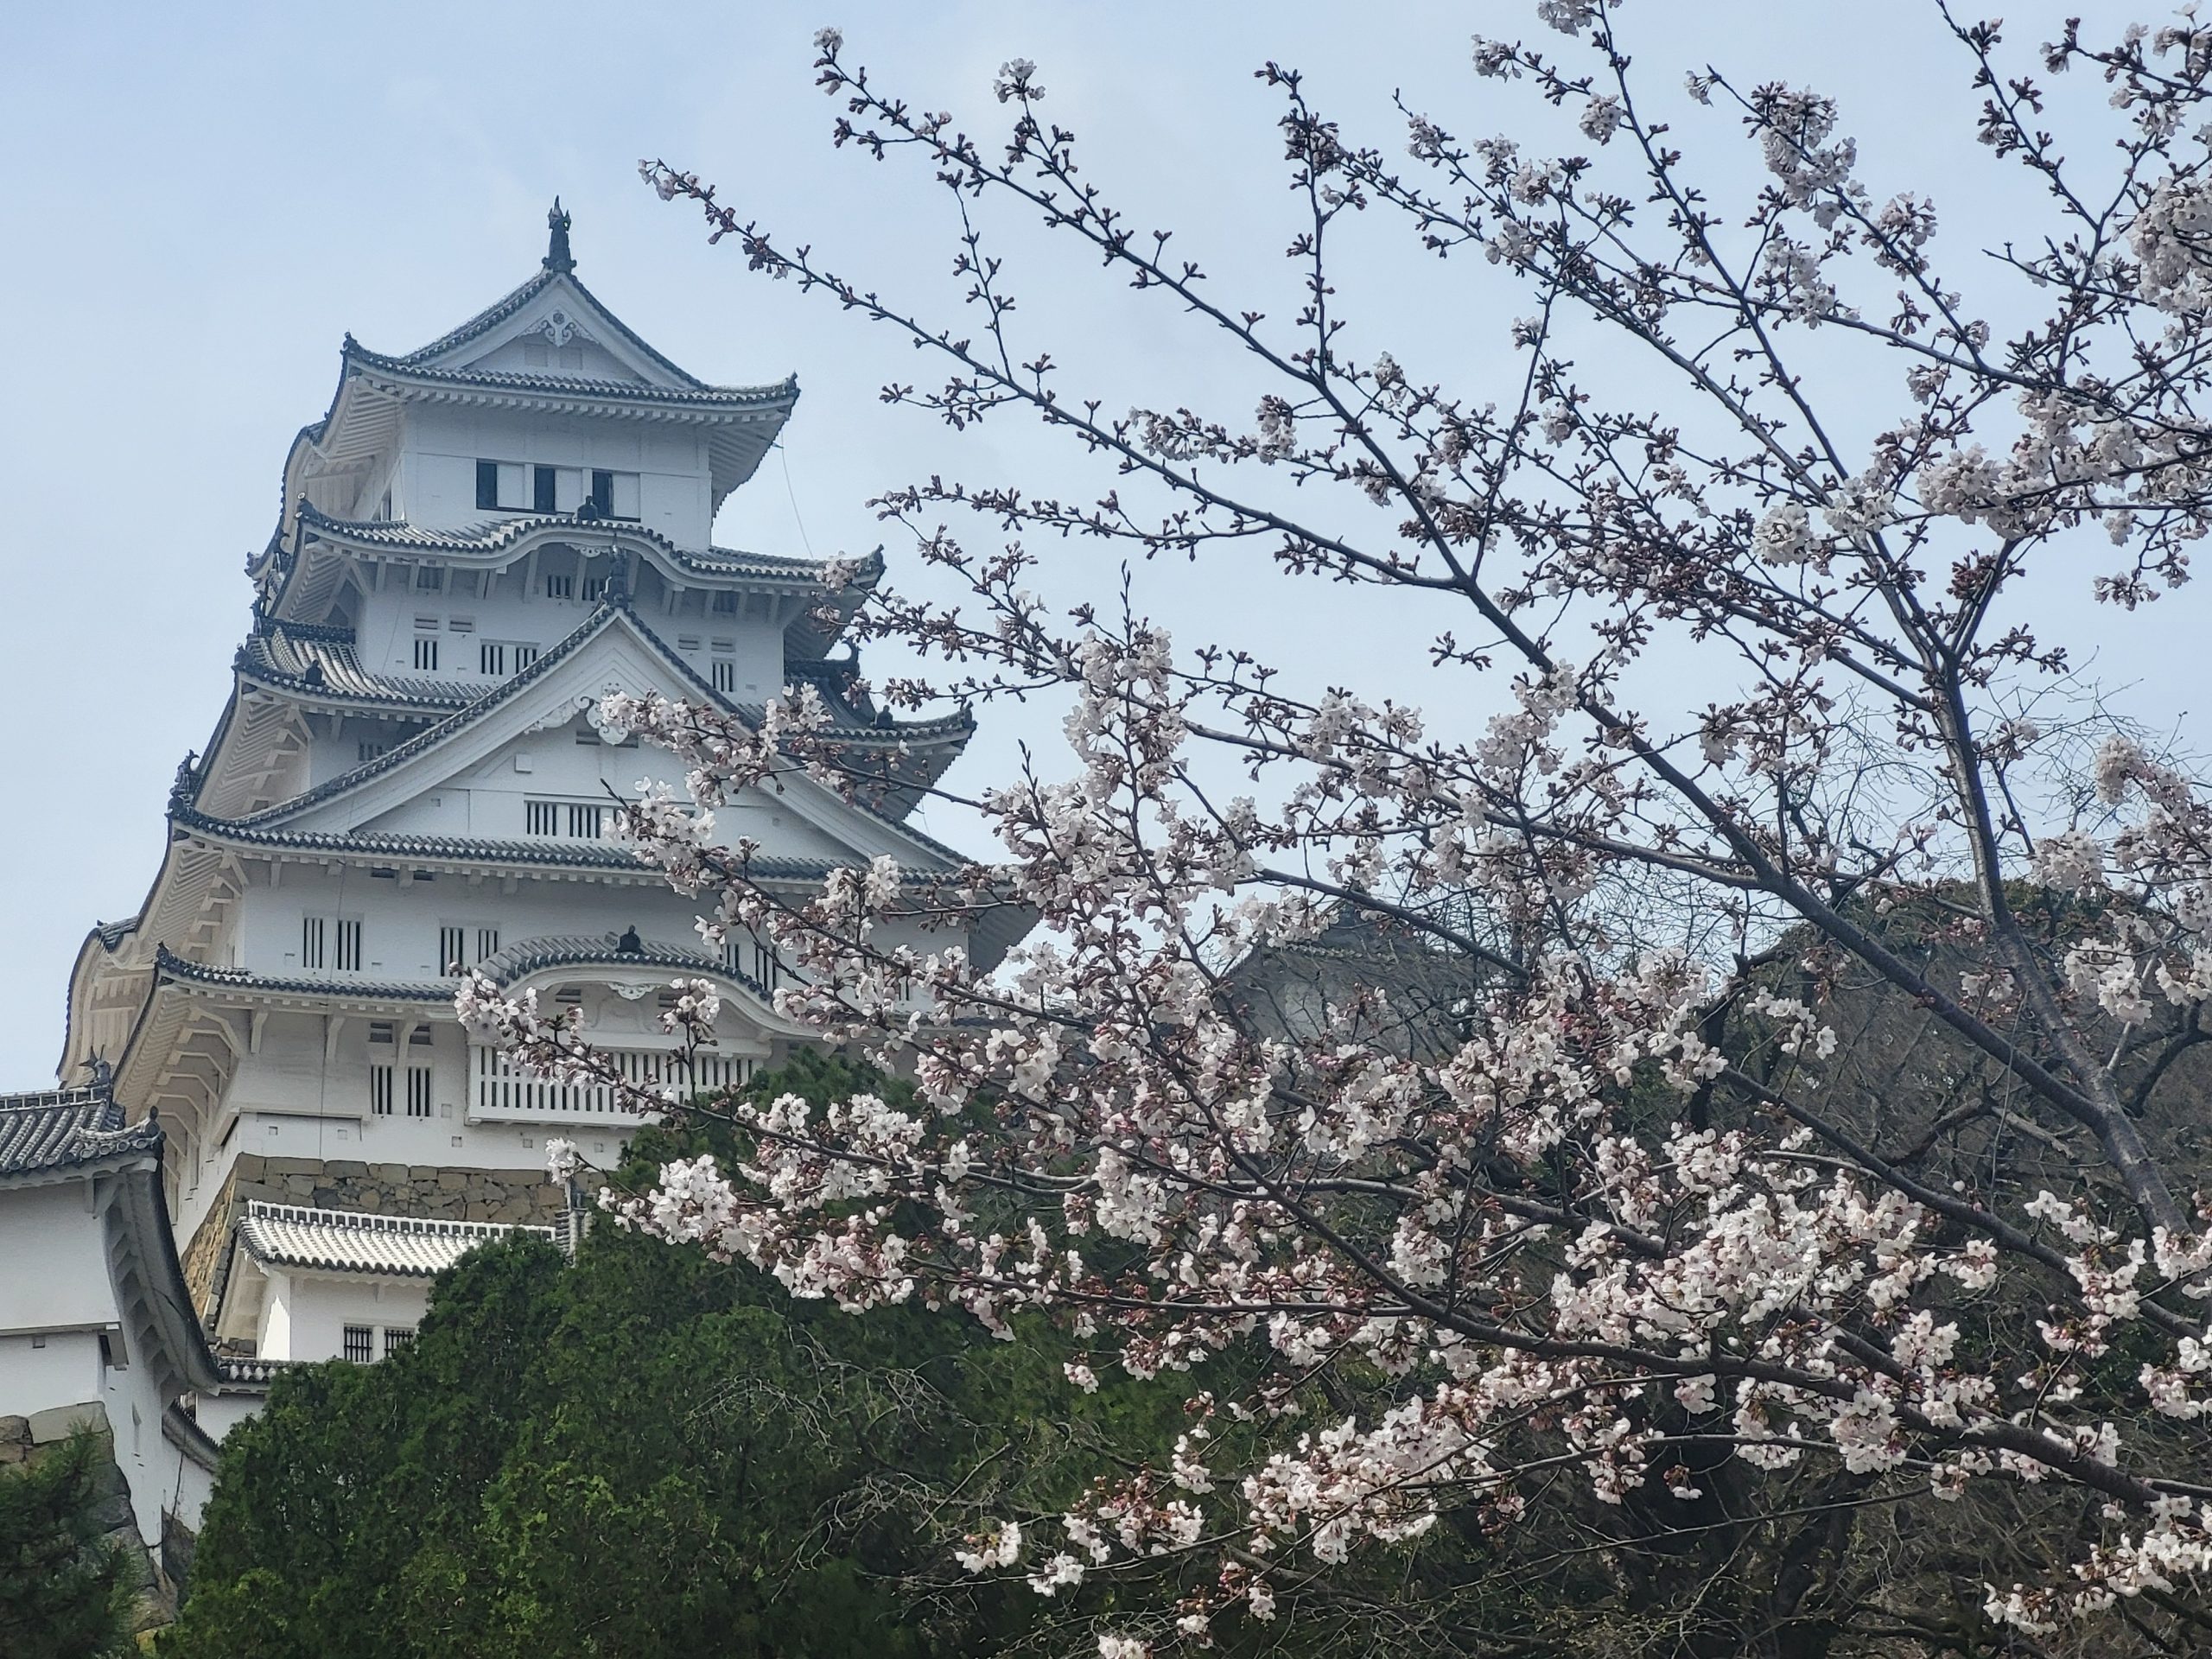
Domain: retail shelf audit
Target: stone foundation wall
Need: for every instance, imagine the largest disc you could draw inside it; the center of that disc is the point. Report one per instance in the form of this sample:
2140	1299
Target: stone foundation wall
510	1195
28	1439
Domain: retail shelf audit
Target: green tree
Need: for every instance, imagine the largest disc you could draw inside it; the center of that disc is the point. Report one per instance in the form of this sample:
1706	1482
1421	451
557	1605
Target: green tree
64	1594
647	1452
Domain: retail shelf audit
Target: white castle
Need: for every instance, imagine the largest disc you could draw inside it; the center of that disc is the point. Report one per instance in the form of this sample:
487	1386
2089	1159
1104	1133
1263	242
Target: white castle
272	1132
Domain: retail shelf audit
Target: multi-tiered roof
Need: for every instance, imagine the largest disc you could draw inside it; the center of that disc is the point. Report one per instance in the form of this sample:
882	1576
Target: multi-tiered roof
337	754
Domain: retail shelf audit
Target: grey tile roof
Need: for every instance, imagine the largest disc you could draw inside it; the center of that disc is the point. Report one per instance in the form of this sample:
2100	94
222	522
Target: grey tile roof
341	1241
502	532
168	965
696	397
61	1129
535	854
500	309
237	1371
323	660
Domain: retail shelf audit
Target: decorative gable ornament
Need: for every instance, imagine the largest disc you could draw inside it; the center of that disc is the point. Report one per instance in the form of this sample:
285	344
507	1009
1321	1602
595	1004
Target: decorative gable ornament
560	328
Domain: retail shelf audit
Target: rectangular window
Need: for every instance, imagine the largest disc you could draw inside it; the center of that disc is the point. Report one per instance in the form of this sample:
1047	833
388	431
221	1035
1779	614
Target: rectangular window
488	943
687	642
349	945
487	486
541	485
541	817
461	625
559	587
583	822
602	494
524	656
369	751
314	938
490	657
627	502
453	950
426	652
428	578
356	1343
725	604
380	1090
725	673
396	1337
418	1091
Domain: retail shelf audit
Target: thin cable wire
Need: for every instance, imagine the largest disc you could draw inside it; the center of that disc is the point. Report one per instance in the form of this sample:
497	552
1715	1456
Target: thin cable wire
797	517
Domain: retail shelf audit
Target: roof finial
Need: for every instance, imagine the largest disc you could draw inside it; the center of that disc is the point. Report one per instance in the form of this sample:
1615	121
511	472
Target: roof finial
557	257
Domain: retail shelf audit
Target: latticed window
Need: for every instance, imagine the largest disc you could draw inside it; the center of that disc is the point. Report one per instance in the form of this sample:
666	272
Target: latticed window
426	652
453	950
315	940
541	817
418	1091
725	673
349	945
559	587
490	657
584	821
359	1344
396	1337
380	1082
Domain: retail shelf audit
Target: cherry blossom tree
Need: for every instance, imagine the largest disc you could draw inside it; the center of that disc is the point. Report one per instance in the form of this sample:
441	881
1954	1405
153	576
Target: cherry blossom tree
1606	1216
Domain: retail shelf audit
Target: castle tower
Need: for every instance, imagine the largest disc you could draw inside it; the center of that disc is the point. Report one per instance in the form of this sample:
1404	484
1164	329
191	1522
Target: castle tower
479	539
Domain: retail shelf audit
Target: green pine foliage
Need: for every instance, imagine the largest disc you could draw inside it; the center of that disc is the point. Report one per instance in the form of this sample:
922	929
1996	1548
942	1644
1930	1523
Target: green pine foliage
647	1454
64	1594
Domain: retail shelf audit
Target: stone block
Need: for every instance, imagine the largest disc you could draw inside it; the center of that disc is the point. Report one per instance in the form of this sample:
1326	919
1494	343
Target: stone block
422	1173
344	1169
247	1166
294	1165
451	1180
112	1512
246	1190
12	1452
15	1429
55	1422
329	1198
389	1173
298	1189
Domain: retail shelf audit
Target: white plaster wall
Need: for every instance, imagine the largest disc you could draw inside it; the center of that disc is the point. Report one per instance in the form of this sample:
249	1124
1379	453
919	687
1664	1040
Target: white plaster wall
318	1309
150	1463
220	1414
440	446
52	1260
63	1368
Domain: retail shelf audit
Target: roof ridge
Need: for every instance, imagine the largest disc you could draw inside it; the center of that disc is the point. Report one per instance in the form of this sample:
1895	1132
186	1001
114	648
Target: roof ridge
698	393
369	1221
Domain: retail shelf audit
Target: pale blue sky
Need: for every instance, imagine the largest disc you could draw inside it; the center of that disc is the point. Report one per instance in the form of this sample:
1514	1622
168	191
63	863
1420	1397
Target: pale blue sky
199	202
